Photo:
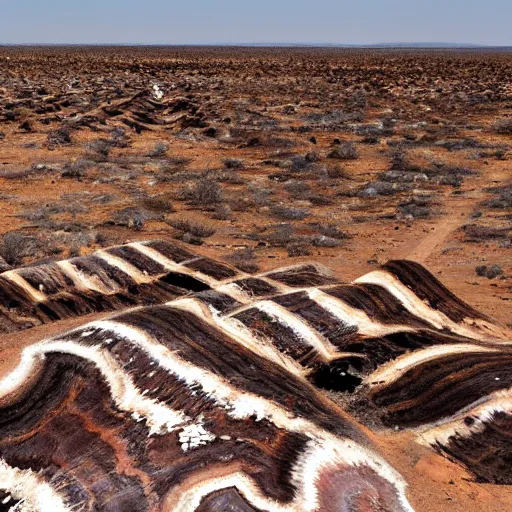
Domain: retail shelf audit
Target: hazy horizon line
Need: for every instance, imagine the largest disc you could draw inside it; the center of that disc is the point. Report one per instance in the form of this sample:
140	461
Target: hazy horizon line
395	44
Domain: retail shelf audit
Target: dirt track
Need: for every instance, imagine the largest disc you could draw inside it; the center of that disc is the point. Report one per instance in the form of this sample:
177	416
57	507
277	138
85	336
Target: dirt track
268	158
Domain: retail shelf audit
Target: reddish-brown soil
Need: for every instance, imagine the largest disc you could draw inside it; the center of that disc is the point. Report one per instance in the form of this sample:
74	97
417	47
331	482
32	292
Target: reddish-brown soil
430	180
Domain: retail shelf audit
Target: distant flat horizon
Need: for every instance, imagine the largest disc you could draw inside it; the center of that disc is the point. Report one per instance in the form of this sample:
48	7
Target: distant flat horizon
404	45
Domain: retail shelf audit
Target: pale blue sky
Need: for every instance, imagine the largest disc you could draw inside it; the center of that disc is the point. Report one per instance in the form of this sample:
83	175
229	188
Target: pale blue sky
241	21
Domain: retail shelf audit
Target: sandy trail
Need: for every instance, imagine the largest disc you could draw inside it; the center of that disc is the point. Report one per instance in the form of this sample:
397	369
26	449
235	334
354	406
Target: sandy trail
457	212
458	216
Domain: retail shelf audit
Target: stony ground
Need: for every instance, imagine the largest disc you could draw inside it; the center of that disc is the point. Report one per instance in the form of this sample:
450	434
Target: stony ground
265	158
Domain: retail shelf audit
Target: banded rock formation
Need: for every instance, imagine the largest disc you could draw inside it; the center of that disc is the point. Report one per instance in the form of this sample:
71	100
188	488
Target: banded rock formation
136	274
159	409
210	396
112	279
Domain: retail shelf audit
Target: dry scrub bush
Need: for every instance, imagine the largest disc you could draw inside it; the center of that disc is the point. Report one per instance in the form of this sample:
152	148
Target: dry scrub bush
196	228
159	150
289	213
59	137
502	127
204	193
244	260
345	151
159	203
15	246
298	249
98	150
222	212
233	163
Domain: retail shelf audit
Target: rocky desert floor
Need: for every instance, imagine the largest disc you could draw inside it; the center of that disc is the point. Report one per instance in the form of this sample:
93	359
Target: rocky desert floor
264	158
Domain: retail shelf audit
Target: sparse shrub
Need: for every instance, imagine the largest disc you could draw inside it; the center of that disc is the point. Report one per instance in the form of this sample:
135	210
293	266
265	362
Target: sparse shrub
502	126
475	233
289	213
132	218
299	163
458	144
159	150
277	162
337	172
101	239
226	176
67	227
180	177
118	138
260	195
76	170
318	200
222	212
46	211
204	193
244	260
60	137
27	126
103	198
312	156
416	207
16	246
253	142
277	142
74	251
297	189
331	230
400	162
189	238
451	170
503	200
279	236
499	154
344	151
98	149
233	163
159	203
370	139
506	243
43	213
171	169
491	271
174	164
241	203
196	228
280	176
297	249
